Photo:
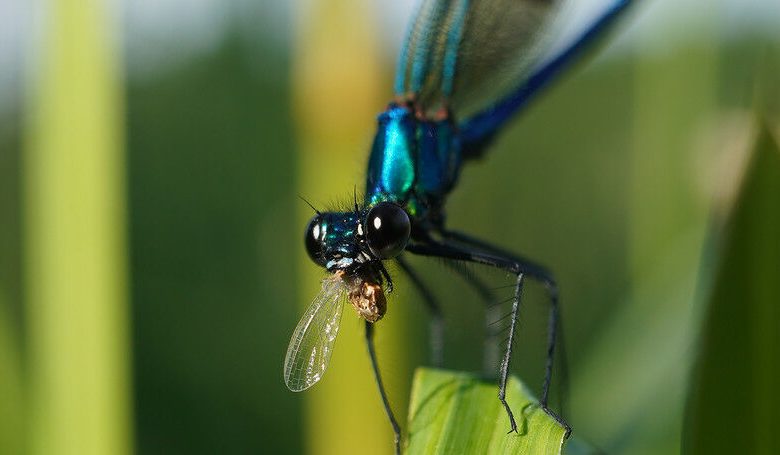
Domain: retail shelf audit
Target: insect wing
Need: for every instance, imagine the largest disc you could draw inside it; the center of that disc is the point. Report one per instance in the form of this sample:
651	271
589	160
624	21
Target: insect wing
312	341
464	54
575	31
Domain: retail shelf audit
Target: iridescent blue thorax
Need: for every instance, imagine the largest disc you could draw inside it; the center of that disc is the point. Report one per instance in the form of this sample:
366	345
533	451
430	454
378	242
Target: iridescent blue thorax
413	165
414	162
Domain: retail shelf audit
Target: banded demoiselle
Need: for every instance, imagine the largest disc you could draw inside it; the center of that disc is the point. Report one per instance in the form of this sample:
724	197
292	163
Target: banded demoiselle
466	68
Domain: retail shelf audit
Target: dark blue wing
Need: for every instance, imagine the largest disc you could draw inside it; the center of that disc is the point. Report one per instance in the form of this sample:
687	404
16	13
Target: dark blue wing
480	128
463	54
484	60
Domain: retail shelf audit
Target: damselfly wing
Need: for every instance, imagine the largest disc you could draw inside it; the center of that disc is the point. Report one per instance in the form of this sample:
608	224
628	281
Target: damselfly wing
464	55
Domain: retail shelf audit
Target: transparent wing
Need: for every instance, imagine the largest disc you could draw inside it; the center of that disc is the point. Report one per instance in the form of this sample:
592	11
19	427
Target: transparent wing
468	52
312	341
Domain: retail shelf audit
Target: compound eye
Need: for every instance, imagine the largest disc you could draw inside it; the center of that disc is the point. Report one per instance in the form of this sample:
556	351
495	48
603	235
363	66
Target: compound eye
315	235
387	230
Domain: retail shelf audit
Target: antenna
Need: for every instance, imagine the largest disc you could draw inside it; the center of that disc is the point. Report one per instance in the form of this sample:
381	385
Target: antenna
309	204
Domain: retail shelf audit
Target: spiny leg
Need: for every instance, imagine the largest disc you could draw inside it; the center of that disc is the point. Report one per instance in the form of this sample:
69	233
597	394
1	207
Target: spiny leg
437	318
544	276
382	392
453	250
530	268
554	334
437	322
492	315
508	353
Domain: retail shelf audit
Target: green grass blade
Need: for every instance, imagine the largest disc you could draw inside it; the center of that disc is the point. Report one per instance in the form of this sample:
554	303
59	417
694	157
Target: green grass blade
453	412
735	403
74	239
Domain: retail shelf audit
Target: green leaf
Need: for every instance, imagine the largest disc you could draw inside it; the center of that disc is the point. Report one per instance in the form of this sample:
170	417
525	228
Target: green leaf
734	405
454	412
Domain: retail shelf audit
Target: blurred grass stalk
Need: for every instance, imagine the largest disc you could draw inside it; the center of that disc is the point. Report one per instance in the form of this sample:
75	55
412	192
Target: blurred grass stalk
740	343
74	238
338	88
646	370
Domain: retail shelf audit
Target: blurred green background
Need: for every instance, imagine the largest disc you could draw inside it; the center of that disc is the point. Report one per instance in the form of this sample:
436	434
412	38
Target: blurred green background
151	263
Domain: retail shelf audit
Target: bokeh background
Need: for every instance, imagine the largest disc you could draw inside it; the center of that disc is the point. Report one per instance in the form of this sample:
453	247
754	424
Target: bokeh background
151	263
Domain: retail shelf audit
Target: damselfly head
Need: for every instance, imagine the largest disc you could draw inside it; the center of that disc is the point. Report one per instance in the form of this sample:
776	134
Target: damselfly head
352	245
358	239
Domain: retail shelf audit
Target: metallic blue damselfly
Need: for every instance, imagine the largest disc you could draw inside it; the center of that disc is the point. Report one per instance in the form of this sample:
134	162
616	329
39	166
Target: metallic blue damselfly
466	68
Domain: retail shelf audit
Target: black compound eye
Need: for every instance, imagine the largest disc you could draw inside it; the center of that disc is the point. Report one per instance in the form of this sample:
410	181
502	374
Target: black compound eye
387	230
314	240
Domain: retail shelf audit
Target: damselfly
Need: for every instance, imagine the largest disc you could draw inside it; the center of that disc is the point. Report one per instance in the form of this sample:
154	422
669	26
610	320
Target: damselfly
457	53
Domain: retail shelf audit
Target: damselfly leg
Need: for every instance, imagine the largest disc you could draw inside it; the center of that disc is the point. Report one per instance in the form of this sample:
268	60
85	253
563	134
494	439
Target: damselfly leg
459	247
381	386
542	275
492	314
436	327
